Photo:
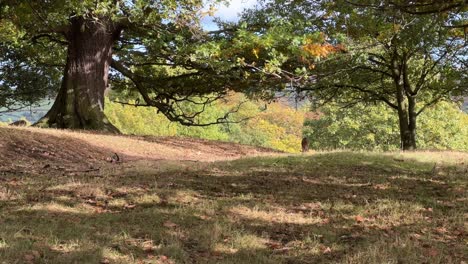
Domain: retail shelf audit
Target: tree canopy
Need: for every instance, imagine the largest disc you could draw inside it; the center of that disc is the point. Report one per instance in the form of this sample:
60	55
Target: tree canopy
407	55
157	49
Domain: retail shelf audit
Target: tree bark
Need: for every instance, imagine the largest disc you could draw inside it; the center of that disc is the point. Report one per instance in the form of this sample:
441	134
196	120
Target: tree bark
412	115
405	105
405	132
80	101
407	122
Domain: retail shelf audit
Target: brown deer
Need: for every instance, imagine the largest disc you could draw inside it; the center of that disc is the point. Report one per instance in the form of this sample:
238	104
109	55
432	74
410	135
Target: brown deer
19	123
305	144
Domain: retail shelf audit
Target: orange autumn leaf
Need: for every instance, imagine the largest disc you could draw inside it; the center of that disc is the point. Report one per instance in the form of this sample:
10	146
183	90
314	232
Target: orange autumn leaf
359	219
319	50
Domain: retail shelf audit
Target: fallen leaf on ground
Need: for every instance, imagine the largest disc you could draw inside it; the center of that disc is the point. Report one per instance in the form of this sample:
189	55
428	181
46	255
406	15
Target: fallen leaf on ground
432	252
32	256
282	250
91	201
274	245
169	224
359	219
130	206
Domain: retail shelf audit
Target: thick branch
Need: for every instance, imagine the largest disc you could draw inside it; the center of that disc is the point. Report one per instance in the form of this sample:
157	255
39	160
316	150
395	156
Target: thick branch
49	37
168	104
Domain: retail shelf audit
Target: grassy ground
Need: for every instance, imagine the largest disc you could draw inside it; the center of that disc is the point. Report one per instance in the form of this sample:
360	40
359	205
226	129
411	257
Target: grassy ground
338	207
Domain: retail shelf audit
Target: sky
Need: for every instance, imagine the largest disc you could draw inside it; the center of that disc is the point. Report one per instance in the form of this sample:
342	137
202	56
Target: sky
228	12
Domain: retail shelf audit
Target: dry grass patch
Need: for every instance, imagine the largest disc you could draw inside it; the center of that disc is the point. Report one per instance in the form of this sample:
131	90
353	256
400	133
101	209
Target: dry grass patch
58	208
339	207
276	215
78	189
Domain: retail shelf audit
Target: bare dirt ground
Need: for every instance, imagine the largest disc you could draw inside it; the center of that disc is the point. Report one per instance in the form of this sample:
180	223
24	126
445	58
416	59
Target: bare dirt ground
29	149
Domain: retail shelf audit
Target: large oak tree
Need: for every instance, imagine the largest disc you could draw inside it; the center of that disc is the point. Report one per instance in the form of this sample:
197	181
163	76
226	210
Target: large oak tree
156	49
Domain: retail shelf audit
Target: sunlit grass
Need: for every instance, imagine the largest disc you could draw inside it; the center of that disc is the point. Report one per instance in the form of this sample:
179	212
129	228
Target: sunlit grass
276	215
339	207
58	208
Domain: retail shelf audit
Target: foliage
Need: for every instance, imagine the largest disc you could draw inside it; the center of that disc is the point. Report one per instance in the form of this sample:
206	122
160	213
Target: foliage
138	120
19	74
444	126
160	51
375	127
449	8
386	54
278	127
362	127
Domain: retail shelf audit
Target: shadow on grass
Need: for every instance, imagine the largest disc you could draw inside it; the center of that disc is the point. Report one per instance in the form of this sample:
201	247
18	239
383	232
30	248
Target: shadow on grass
337	207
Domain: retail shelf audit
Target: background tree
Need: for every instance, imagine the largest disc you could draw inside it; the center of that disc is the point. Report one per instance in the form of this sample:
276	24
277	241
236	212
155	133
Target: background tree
375	127
276	127
422	7
407	61
19	74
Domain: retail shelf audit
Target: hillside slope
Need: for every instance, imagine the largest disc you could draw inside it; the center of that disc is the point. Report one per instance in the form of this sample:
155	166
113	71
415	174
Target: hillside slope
20	147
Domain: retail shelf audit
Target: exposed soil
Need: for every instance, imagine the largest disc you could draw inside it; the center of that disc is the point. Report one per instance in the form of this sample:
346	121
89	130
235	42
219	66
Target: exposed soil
34	149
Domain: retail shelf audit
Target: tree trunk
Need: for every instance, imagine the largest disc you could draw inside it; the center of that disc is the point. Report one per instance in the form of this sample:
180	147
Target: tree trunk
412	115
405	133
405	106
407	123
80	101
